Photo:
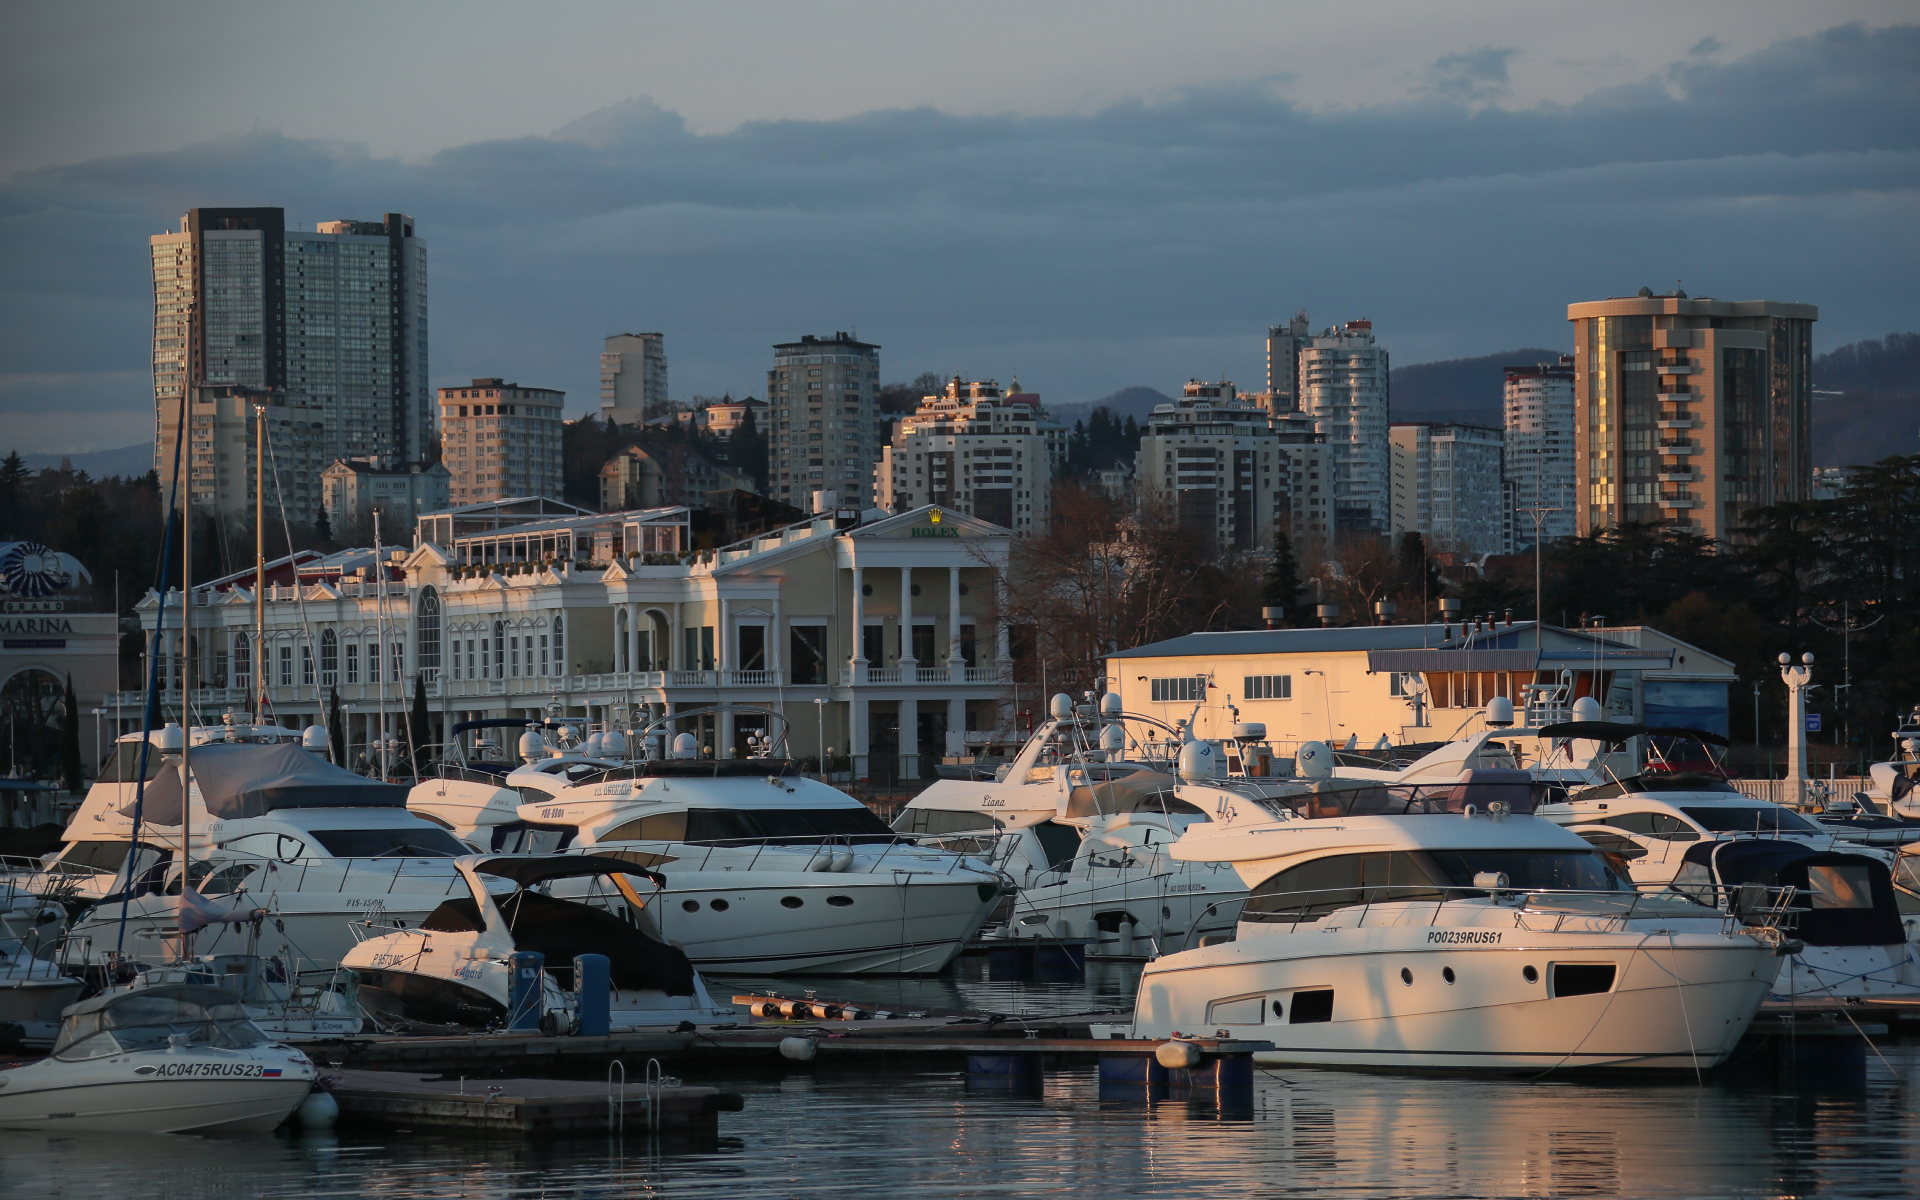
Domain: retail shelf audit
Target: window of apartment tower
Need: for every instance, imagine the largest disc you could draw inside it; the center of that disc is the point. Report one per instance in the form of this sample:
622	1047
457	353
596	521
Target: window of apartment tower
807	653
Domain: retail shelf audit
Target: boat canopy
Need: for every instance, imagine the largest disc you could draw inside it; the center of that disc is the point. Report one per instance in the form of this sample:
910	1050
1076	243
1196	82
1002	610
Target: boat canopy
1840	899
562	930
149	1017
240	781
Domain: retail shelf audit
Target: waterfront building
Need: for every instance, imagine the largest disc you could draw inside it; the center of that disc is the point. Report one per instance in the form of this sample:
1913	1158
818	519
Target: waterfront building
1344	388
1333	685
663	474
633	377
1448	486
337	316
876	639
52	633
500	439
821	404
353	487
1540	440
975	450
1232	472
1690	412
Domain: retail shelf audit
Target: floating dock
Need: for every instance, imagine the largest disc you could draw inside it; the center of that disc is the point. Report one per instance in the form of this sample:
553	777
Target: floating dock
530	1106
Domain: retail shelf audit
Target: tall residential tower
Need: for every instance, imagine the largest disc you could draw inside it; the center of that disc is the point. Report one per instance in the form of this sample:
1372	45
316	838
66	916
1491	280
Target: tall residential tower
633	377
1540	446
821	396
337	317
1343	388
1689	412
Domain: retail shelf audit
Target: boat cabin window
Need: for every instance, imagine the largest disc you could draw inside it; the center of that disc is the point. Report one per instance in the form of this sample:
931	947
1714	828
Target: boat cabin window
720	826
1658	781
282	846
147	1019
1613	843
521	837
1060	842
86	857
1840	886
941	820
389	843
536	794
123	763
1664	826
1770	819
1313	889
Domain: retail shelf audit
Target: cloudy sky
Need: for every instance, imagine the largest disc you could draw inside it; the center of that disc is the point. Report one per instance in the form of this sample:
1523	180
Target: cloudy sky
1093	195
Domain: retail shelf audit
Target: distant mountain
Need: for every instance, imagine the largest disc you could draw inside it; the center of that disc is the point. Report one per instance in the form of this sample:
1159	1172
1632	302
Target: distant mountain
1465	390
127	460
1866	402
1135	402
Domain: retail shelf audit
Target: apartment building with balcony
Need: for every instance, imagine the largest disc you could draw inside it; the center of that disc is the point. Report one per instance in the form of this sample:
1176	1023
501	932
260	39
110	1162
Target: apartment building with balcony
973	449
1689	412
875	640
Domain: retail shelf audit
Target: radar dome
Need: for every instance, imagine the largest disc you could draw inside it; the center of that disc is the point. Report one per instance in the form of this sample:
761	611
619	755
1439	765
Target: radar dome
1061	706
1586	708
613	744
1196	761
1314	760
1500	711
685	745
314	738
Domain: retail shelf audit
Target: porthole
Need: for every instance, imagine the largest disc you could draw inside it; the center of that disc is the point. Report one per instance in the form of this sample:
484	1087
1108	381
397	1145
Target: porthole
1279	1010
796	902
840	901
1166	914
1529	974
717	905
1446	973
1406	976
690	905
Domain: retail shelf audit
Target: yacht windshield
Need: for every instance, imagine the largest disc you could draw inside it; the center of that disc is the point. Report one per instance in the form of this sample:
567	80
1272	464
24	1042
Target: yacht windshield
1311	890
1768	819
725	826
154	1018
390	843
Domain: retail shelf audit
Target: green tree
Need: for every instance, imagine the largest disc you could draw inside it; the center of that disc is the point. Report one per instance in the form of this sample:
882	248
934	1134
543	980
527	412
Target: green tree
747	451
419	727
337	729
70	772
1281	585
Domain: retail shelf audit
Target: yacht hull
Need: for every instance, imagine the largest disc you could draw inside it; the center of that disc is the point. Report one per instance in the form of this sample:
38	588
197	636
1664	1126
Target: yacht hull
1672	1002
155	1106
36	1001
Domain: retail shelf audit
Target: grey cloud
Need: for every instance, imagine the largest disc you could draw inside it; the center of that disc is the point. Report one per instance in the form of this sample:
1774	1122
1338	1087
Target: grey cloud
1706	46
1142	243
1472	76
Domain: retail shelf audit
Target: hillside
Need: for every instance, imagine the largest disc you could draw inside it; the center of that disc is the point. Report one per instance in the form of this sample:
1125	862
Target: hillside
127	460
1866	402
1135	402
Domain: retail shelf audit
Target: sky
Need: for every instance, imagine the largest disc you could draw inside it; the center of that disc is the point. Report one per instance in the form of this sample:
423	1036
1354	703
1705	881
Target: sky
1090	195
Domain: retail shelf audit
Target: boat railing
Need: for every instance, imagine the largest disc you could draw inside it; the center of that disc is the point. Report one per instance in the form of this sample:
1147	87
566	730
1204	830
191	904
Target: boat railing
699	856
1750	905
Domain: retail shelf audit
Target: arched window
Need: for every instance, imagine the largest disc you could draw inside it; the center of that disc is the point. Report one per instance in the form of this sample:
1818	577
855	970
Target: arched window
559	645
242	661
329	658
426	646
499	649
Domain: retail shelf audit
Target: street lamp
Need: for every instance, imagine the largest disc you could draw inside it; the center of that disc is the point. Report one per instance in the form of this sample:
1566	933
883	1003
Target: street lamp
1797	678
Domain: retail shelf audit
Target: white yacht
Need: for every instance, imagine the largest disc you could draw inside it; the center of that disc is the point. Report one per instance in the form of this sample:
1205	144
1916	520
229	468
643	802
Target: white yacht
276	832
33	991
1443	933
279	998
176	1059
457	966
767	871
1893	787
1081	820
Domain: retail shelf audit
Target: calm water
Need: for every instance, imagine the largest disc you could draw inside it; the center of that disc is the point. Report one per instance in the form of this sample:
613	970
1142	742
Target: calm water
919	1134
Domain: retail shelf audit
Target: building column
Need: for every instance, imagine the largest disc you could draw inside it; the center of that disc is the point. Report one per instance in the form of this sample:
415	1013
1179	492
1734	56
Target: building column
906	663
723	642
909	739
1003	657
857	734
723	733
956	665
857	662
776	658
633	637
956	727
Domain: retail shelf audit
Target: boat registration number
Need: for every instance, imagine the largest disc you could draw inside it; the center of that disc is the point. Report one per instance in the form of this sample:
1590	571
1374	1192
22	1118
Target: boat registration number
206	1070
1468	937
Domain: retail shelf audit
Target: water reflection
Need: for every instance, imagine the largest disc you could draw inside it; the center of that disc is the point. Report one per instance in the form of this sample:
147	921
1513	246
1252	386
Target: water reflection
969	986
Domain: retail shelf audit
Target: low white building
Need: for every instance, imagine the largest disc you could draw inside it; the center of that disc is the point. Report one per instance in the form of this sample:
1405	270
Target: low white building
874	637
1333	685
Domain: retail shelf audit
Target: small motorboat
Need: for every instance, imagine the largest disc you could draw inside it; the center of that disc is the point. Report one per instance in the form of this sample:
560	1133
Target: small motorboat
33	991
457	966
168	1059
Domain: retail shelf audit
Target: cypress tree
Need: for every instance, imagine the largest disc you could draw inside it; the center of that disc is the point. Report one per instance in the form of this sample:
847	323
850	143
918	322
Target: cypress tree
70	741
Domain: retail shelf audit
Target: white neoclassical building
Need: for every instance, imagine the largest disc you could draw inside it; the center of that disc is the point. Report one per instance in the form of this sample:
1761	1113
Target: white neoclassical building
875	636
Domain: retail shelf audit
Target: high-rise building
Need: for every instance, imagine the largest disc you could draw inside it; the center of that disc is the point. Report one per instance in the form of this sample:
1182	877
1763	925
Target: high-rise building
1689	412
1232	472
1447	486
976	451
1540	447
633	377
225	451
353	487
1283	364
821	397
1344	389
501	440
337	316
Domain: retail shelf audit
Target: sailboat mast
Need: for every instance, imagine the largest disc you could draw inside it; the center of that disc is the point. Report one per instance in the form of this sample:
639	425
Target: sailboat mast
380	642
186	666
260	560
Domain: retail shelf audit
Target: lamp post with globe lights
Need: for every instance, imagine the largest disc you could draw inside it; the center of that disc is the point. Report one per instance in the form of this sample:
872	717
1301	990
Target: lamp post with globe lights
1797	677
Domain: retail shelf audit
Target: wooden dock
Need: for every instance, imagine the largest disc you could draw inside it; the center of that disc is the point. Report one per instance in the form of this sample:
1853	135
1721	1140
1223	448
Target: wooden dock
529	1106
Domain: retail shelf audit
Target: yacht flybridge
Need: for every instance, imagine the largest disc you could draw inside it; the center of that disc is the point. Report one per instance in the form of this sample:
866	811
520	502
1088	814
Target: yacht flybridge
1449	930
767	871
279	838
1082	820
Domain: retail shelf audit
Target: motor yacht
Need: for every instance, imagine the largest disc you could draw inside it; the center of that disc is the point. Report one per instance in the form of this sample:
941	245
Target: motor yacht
1081	821
767	871
279	997
34	988
277	832
173	1059
457	966
1449	932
